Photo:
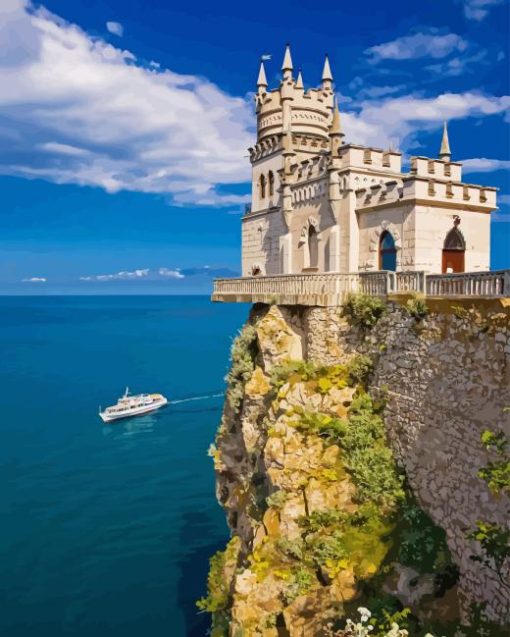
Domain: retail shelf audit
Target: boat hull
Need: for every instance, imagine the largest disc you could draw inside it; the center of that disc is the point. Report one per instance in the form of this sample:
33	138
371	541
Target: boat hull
138	411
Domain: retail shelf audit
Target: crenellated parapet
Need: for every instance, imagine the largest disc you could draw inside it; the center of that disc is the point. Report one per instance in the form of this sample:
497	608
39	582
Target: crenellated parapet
428	192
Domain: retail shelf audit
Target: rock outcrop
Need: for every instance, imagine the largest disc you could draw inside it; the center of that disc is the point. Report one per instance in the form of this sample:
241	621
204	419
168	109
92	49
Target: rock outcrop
347	463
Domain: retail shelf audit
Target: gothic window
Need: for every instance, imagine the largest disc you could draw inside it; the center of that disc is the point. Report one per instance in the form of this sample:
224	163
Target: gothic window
387	252
454	249
313	247
270	181
262	186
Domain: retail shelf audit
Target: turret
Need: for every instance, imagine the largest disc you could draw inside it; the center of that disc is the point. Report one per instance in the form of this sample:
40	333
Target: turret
327	76
308	112
287	67
335	132
262	80
444	152
299	82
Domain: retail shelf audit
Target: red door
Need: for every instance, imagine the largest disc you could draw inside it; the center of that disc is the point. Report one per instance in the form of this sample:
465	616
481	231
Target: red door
453	261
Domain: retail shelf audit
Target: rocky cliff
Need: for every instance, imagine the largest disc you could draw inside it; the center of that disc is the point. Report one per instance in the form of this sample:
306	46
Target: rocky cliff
348	461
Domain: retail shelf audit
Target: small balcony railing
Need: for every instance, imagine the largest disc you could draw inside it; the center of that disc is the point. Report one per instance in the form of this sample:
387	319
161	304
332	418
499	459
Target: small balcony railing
332	288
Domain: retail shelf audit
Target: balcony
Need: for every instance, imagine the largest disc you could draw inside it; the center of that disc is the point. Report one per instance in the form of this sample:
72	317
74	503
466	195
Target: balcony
332	288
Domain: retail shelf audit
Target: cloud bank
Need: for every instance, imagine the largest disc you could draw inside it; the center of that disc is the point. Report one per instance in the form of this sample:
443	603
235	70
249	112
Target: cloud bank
484	165
397	121
35	279
160	274
75	109
418	45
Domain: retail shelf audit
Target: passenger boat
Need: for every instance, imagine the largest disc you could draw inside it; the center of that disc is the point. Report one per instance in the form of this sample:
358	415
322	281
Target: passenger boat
133	405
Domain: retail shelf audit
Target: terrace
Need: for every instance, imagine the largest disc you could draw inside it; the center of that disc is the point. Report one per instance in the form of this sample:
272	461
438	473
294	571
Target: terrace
332	288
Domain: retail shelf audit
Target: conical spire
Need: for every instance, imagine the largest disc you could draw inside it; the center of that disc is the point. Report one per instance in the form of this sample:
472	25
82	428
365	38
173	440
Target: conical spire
299	81
262	80
444	152
336	128
287	60
326	71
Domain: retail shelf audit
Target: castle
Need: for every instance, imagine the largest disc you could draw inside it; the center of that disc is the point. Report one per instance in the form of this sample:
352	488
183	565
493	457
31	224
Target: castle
320	204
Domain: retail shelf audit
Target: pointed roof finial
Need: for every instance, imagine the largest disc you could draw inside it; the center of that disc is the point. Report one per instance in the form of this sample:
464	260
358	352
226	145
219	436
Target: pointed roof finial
262	80
336	127
299	81
287	60
327	76
444	152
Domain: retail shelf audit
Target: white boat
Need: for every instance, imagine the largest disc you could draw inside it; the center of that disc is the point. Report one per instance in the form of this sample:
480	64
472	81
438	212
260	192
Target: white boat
130	405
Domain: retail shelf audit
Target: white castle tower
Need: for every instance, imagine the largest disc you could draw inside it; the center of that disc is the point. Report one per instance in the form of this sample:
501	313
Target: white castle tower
321	205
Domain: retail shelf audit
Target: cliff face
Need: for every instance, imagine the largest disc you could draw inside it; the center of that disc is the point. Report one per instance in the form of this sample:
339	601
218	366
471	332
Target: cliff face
347	463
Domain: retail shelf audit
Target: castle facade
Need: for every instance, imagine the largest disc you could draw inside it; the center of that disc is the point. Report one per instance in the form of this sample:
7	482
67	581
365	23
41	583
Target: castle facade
322	205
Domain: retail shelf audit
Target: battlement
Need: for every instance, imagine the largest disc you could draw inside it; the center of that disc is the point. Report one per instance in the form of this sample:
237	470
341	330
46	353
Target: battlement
436	168
428	192
373	158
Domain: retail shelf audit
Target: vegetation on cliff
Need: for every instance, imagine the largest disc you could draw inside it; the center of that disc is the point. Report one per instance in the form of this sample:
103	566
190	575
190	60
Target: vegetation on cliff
323	518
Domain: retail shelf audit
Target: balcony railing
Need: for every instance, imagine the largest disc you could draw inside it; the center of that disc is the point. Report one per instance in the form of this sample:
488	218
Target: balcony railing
332	288
483	284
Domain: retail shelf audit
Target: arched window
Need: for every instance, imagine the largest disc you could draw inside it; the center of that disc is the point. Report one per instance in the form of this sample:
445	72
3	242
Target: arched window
387	252
454	249
313	247
262	185
270	180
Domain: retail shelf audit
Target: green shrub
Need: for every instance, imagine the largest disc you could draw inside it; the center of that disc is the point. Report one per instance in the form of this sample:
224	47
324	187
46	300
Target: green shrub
460	312
319	520
368	457
242	356
302	581
218	593
277	499
359	369
422	545
417	307
291	548
363	311
321	425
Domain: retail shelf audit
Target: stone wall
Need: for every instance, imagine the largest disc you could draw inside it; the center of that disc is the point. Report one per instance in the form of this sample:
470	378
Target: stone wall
446	379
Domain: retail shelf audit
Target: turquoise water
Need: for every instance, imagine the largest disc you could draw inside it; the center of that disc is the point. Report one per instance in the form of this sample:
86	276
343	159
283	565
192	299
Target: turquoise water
107	529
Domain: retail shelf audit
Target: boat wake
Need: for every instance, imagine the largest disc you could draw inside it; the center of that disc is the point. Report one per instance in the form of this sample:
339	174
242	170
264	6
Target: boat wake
192	398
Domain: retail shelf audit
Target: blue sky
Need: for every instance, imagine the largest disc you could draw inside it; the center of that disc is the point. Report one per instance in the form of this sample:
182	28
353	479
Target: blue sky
124	124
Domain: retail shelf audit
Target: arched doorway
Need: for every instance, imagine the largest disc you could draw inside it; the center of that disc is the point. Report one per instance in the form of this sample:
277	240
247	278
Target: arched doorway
387	252
454	250
313	248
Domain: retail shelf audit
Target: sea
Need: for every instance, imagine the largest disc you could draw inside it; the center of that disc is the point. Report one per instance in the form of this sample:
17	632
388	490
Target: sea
106	530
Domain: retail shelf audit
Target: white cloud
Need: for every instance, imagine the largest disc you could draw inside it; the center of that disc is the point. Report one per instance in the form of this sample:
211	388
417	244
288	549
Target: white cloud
479	9
63	149
119	276
116	28
373	92
458	65
396	121
484	165
35	279
161	274
120	124
171	274
419	45
504	199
